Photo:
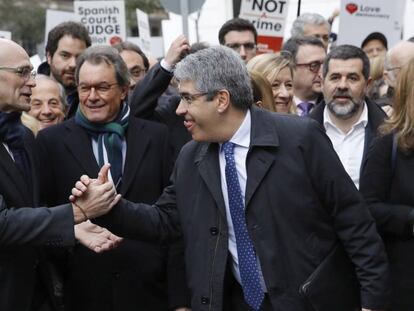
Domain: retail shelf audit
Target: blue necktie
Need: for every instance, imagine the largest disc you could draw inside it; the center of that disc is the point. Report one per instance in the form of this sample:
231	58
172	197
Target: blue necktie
306	108
249	272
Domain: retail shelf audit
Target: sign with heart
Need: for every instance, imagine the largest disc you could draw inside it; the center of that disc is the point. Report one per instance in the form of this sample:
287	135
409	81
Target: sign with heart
359	18
351	8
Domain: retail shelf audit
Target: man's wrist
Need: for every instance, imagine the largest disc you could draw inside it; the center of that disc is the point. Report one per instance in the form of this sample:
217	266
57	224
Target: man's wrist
79	214
166	66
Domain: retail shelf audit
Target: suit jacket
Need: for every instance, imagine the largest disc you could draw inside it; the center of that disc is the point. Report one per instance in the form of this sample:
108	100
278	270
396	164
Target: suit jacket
300	204
390	194
153	105
376	117
137	274
24	231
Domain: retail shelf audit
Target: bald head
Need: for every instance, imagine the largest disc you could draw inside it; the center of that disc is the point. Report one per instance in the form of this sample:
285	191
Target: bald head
396	58
15	80
8	49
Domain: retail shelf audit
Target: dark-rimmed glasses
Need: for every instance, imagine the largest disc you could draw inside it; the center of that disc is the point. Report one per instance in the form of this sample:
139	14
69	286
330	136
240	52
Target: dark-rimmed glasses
26	73
189	98
312	66
101	88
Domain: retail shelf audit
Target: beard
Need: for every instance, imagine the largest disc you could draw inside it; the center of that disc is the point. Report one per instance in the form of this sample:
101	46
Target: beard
346	110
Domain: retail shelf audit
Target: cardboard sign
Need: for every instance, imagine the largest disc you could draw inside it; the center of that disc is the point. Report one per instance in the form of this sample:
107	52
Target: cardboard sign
55	17
5	34
105	20
269	18
144	31
359	18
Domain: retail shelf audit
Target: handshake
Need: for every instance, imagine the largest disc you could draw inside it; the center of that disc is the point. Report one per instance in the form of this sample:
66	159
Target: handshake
92	198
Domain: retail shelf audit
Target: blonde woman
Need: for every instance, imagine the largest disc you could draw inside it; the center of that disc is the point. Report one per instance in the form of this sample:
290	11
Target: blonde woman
262	91
278	70
387	185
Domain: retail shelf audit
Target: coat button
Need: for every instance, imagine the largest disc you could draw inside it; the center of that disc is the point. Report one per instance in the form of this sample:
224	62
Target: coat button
205	300
213	231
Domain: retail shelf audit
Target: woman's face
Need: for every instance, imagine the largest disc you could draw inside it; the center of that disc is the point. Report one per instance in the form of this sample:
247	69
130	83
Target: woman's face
282	87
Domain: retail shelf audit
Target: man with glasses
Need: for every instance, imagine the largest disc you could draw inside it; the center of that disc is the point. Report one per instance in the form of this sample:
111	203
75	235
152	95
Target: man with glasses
240	35
350	118
312	25
395	58
136	275
25	278
308	54
261	201
136	61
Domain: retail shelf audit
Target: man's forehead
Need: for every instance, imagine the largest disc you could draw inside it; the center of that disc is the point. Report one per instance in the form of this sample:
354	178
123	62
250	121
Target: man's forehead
13	55
348	66
310	53
235	36
314	29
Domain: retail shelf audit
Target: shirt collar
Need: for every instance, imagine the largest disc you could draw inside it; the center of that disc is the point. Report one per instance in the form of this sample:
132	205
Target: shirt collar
362	121
297	101
242	135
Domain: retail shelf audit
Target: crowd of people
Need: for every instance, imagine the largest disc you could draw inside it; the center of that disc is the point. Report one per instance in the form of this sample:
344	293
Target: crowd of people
215	179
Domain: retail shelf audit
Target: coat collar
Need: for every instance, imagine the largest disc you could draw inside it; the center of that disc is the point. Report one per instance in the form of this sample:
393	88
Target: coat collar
263	139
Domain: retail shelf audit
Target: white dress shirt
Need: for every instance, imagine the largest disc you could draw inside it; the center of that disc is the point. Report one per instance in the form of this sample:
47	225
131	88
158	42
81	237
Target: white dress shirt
241	139
349	146
105	155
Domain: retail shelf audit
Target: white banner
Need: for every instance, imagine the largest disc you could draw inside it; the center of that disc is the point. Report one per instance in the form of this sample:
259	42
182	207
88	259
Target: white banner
359	18
144	31
54	18
269	18
5	34
105	20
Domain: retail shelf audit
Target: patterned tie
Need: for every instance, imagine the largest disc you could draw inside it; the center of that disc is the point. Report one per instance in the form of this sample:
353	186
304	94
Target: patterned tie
249	272
306	108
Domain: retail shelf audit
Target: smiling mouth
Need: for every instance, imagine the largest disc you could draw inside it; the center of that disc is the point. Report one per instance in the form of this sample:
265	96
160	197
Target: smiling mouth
188	124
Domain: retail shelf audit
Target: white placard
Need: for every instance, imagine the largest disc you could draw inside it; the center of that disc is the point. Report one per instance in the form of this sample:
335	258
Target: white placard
359	18
144	31
409	22
54	18
269	18
5	34
105	20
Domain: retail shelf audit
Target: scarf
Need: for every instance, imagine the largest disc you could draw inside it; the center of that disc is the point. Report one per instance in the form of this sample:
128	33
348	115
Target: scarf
12	133
109	136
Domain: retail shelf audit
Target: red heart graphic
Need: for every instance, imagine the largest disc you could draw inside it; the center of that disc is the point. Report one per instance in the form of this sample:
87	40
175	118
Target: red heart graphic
351	8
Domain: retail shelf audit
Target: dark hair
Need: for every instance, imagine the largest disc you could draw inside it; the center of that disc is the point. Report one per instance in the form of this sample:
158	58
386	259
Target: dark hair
73	29
98	54
292	45
345	52
129	46
236	24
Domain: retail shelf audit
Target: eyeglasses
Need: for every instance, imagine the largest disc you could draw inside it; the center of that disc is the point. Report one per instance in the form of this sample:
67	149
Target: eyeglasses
102	89
312	66
189	98
136	72
249	46
26	73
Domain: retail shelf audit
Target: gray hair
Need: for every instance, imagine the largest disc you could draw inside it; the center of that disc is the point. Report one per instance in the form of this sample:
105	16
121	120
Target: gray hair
62	92
299	24
104	53
216	68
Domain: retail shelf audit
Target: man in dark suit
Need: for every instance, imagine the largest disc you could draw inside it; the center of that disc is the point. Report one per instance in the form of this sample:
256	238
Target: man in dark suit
261	201
24	231
348	116
136	275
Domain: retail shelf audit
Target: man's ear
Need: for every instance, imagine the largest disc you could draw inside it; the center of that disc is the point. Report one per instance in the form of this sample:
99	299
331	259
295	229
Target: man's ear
369	83
124	92
223	100
48	58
